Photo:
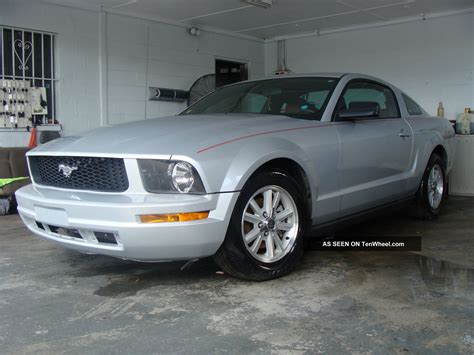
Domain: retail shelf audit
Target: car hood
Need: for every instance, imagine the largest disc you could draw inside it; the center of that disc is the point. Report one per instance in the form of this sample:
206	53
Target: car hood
175	135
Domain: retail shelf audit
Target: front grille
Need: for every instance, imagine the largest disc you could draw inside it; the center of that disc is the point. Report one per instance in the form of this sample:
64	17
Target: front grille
80	173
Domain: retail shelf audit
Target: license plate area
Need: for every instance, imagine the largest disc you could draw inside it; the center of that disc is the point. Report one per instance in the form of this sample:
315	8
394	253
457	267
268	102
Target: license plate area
53	216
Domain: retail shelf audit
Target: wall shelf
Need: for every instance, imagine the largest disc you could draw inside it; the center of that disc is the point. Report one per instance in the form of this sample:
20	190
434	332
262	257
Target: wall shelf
461	180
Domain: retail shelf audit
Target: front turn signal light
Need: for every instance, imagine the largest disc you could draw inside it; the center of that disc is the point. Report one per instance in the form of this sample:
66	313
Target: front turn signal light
173	217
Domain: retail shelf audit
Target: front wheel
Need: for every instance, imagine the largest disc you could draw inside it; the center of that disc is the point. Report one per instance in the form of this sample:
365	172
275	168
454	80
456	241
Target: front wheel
433	189
264	238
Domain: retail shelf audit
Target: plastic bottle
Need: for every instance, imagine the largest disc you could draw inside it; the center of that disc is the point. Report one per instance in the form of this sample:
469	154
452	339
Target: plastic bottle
440	110
463	123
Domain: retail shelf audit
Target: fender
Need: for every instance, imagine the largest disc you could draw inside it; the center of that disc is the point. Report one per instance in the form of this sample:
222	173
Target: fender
246	162
427	139
429	146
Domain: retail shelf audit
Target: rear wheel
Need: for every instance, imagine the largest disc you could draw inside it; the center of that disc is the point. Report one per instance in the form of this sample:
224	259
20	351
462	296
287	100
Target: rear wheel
432	192
264	238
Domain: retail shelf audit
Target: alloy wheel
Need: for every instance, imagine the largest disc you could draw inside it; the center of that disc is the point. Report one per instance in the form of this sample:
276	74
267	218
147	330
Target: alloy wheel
270	224
435	186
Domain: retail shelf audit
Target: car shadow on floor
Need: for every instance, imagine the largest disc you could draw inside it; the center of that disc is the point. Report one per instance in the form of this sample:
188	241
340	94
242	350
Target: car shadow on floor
126	278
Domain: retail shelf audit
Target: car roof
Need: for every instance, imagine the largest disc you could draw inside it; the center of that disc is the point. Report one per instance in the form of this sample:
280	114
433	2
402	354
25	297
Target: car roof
335	75
289	76
321	75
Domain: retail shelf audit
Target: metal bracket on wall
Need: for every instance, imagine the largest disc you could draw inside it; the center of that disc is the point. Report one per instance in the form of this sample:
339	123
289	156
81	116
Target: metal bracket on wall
164	94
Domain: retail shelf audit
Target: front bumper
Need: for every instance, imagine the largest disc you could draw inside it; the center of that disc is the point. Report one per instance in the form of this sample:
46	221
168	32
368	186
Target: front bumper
90	214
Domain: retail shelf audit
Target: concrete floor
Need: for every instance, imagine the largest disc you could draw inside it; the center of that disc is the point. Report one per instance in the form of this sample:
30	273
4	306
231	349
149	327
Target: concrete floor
54	300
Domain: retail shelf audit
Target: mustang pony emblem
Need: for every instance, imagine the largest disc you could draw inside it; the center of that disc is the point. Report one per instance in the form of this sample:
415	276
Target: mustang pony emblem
66	169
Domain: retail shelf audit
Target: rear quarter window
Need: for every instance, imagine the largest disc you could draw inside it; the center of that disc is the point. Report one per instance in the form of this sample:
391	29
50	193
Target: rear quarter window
412	107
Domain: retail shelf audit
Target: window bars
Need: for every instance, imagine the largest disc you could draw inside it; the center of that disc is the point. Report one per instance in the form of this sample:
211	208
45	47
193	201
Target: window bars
30	55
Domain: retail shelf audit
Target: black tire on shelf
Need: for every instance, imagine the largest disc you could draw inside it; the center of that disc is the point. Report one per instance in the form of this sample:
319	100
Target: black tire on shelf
424	208
234	256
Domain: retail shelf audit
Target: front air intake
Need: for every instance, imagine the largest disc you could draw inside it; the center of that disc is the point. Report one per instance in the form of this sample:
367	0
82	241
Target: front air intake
80	173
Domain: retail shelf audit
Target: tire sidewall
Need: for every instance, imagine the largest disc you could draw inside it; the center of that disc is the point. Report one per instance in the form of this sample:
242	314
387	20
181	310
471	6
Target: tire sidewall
234	237
432	212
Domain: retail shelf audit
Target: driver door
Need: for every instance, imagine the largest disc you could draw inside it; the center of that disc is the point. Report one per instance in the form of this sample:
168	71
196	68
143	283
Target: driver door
375	152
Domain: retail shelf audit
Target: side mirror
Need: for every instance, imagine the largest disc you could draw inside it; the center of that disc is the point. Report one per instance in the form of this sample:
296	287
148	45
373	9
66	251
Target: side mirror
360	110
357	114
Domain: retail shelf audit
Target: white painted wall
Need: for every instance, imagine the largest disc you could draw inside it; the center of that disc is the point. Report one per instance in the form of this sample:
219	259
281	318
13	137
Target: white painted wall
432	60
77	66
139	53
143	53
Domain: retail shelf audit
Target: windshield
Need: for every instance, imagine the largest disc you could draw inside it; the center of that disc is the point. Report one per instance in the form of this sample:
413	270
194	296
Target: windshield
294	97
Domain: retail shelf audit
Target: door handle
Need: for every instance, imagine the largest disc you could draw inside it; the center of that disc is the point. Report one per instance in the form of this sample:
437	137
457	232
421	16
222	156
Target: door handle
403	135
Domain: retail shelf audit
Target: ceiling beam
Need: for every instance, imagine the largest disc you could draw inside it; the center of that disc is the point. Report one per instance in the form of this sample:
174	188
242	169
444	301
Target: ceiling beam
297	21
119	11
182	24
359	9
420	17
218	13
353	10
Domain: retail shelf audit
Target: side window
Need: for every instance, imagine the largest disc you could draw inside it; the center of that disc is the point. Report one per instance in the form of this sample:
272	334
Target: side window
359	93
412	107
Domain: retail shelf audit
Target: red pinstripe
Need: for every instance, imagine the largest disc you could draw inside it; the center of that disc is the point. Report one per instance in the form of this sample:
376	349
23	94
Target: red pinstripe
263	133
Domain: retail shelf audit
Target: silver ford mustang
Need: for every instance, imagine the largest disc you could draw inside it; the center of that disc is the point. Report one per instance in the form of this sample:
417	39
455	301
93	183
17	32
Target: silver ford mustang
243	174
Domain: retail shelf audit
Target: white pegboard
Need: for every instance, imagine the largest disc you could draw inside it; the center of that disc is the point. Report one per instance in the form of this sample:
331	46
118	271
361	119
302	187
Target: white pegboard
16	100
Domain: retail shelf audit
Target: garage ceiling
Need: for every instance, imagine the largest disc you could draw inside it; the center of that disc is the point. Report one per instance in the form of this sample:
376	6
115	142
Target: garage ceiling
284	17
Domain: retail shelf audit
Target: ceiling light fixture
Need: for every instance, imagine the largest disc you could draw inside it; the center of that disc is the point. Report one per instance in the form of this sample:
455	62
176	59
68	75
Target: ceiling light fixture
266	4
193	31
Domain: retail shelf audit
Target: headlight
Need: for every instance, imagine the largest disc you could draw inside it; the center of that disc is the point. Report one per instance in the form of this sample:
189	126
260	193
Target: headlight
164	176
182	176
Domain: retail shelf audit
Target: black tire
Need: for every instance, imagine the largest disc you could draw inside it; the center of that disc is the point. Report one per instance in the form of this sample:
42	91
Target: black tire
233	256
424	210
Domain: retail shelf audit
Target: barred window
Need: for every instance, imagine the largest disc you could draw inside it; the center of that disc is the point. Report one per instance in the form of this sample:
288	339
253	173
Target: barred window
30	55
